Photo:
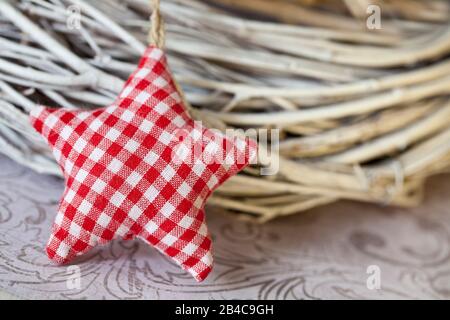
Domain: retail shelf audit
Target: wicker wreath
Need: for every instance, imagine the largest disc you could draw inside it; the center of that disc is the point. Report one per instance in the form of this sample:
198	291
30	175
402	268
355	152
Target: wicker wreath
362	114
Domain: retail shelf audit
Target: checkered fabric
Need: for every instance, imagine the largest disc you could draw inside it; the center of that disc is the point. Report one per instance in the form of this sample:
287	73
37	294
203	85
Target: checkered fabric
139	167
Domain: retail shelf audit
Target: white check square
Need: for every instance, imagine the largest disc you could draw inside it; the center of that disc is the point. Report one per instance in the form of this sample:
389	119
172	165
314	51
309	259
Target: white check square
103	220
79	145
151	158
142	97
126	91
96	154
184	189
160	82
167	210
142	73
127	116
98	186
75	229
146	126
168	173
113	134
135	213
134	178
115	165
81	175
95	124
132	146
62	250
151	227
85	207
66	132
117	199
151	193
161	108
169	239
190	248
186	222
166	138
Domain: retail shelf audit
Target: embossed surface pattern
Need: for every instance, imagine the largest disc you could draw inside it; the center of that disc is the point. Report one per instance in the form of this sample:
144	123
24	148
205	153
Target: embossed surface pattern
321	254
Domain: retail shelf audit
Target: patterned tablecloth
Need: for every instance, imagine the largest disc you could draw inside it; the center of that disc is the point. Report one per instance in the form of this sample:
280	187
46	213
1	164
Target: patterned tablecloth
324	253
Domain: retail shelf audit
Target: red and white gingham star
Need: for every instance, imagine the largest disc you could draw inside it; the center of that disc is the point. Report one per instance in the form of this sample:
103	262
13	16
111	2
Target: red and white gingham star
133	169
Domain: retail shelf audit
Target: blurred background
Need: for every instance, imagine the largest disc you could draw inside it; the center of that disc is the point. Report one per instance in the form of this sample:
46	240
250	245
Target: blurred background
356	91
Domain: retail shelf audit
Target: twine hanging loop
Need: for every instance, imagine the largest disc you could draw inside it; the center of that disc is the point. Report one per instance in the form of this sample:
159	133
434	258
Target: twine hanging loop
156	35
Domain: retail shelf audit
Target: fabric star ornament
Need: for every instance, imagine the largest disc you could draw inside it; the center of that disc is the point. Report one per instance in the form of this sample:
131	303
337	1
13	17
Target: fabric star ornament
140	167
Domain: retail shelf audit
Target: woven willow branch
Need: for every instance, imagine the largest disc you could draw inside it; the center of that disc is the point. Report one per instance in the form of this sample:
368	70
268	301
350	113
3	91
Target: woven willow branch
363	114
